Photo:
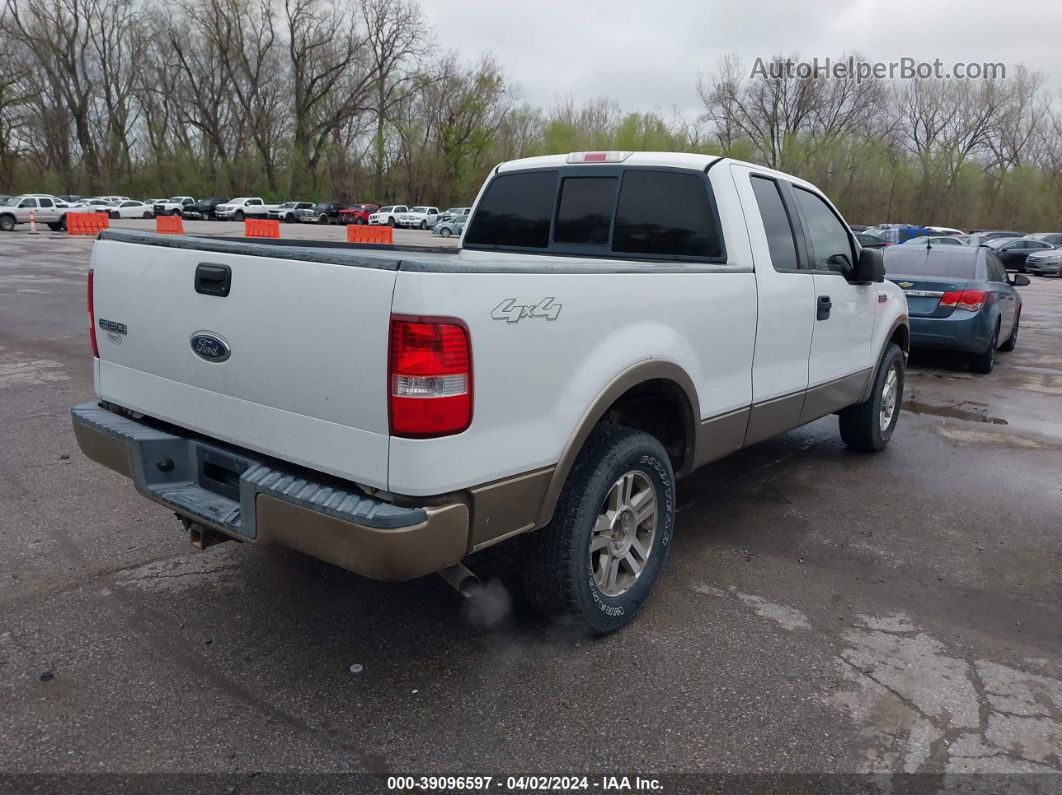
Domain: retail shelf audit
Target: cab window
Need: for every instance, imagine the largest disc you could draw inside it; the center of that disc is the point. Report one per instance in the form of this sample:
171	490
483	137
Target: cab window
831	247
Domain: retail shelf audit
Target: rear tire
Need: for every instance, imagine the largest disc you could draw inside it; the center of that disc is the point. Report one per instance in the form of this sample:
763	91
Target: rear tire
869	425
445	232
597	560
359	221
1012	340
55	226
984	363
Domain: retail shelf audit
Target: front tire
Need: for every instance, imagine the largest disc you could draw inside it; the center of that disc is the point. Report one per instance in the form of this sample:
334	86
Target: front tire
7	223
322	219
597	560
238	216
390	221
869	425
114	215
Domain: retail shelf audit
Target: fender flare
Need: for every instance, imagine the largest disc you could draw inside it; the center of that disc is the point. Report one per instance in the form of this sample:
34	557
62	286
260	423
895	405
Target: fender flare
901	321
638	373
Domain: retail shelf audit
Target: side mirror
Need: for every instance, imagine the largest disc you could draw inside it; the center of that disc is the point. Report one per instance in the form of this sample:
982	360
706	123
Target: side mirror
1018	280
870	268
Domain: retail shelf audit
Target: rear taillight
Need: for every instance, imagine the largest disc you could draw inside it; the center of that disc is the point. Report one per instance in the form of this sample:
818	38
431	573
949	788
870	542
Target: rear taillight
597	157
429	377
970	300
92	319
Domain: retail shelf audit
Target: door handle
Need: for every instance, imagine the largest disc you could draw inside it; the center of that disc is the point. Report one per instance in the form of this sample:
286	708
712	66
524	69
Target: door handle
823	307
213	279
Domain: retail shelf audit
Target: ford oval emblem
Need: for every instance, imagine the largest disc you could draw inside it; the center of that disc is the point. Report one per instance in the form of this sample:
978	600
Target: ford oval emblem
210	347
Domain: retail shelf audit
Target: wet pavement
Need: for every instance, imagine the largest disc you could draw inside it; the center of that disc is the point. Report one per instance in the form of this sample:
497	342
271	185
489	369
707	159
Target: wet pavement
821	611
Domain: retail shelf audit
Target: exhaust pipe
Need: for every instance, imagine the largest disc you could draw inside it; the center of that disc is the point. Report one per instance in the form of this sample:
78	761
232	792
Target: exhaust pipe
460	579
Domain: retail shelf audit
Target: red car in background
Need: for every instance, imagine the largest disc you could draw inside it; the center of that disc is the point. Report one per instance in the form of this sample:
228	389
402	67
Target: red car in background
357	213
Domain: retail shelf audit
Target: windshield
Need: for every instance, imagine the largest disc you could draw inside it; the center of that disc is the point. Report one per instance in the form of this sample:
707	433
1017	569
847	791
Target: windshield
419	210
386	209
175	199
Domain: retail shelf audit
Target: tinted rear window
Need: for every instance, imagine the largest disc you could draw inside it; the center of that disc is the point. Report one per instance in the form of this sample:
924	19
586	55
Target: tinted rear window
584	213
948	263
776	224
665	213
515	211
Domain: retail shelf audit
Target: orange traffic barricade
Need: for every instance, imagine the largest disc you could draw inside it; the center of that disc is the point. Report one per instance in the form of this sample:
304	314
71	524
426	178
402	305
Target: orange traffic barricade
86	223
253	227
169	225
358	233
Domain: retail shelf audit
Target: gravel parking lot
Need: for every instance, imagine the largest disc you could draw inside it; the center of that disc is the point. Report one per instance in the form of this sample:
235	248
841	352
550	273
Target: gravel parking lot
822	610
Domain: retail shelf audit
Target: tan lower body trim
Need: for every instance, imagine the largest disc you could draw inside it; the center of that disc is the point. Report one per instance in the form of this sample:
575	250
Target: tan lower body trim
720	436
772	417
833	396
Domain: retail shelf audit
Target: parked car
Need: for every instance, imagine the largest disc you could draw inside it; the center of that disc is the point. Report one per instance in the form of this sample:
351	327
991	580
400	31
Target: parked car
288	212
453	213
111	199
91	205
933	240
1044	262
323	213
203	209
45	208
857	228
174	205
1054	238
130	209
386	215
356	213
894	234
626	329
243	207
1013	251
959	298
450	228
418	217
867	240
946	230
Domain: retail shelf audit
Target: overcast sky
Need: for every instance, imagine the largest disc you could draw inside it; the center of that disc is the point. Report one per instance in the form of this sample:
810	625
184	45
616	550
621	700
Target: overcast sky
647	53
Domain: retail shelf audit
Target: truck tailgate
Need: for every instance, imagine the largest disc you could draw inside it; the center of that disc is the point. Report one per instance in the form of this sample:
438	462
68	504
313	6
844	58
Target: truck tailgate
305	378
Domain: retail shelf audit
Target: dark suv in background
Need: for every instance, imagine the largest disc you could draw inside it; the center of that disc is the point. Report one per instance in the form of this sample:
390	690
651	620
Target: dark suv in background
323	213
203	209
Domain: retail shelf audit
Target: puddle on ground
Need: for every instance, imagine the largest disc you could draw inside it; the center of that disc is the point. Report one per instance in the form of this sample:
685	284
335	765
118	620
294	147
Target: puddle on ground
960	411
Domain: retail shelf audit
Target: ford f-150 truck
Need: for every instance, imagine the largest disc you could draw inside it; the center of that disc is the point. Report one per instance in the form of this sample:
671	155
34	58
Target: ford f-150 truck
613	322
243	207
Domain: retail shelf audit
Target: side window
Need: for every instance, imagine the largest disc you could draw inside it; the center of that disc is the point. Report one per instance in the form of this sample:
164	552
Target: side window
515	211
28	203
46	203
584	212
663	213
776	224
996	271
830	244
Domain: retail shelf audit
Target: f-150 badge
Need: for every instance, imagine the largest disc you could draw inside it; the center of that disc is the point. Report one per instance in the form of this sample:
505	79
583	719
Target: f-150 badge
512	312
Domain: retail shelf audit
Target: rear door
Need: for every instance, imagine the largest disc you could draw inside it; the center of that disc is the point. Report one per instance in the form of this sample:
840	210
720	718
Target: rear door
1006	296
844	312
786	296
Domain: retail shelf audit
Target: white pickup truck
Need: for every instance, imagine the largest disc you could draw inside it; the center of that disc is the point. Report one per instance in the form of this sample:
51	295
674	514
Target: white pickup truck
613	322
244	207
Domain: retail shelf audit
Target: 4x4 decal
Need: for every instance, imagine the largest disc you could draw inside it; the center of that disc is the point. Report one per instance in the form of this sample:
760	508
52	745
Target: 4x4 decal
512	312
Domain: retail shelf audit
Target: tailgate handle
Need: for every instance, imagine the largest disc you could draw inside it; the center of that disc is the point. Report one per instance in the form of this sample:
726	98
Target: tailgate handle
213	279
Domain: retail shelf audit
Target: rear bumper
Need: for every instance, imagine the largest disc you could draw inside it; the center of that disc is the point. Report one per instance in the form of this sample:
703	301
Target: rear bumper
961	331
255	499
